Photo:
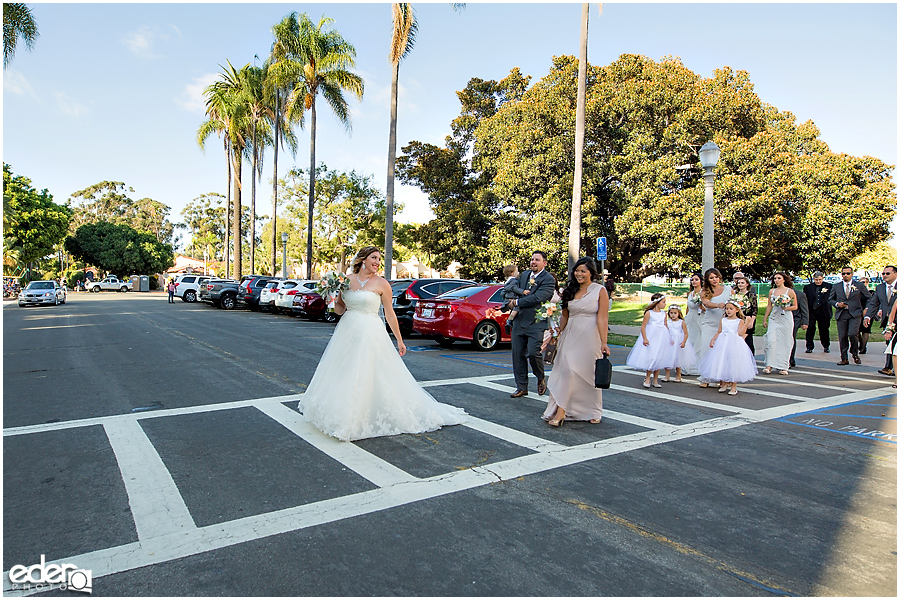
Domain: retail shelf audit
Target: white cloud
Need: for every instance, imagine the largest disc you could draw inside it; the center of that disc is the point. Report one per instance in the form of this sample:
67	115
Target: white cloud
141	42
69	106
15	82
192	98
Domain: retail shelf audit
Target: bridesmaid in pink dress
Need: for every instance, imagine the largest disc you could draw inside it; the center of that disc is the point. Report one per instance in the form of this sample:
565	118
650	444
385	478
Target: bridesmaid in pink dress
582	340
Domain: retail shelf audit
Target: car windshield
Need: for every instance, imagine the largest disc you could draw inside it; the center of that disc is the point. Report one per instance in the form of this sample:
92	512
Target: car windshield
463	292
40	285
399	286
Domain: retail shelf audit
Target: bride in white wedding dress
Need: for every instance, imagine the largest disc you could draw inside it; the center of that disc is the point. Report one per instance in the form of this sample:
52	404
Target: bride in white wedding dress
361	388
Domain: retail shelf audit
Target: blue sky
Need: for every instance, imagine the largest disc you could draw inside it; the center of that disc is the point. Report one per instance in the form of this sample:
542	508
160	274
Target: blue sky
113	91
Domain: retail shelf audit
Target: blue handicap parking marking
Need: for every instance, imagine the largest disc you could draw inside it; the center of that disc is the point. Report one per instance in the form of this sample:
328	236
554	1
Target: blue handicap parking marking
846	421
422	348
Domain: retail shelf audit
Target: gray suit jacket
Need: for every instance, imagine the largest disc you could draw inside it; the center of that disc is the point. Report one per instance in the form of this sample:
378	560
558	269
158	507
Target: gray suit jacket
540	292
859	295
879	301
801	315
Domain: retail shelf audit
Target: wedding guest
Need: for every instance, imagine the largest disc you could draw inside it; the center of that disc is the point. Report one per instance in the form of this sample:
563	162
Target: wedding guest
729	360
527	334
653	348
801	320
890	336
743	287
713	298
683	355
880	304
848	297
582	340
779	322
865	328
693	316
817	294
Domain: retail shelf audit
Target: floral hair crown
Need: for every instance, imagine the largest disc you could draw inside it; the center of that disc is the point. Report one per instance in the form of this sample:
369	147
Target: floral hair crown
734	301
671	306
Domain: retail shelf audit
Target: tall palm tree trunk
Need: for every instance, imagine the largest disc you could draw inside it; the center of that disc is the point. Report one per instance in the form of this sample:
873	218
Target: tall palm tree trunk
392	158
228	207
275	192
575	220
312	187
236	215
253	204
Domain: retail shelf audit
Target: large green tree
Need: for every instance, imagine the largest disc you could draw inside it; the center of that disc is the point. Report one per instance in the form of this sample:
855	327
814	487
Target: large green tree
33	224
18	22
119	249
783	200
320	61
109	201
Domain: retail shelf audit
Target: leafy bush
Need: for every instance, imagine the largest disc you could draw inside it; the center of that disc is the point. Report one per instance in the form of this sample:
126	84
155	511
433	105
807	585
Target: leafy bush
73	277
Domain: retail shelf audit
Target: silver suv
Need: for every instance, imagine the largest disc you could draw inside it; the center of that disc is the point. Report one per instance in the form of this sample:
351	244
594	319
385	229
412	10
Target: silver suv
187	287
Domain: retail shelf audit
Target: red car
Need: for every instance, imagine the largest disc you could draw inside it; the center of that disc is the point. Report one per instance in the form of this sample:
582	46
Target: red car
312	306
469	313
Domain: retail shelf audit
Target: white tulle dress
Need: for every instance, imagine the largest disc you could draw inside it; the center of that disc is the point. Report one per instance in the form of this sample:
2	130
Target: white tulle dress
730	358
680	358
659	353
361	388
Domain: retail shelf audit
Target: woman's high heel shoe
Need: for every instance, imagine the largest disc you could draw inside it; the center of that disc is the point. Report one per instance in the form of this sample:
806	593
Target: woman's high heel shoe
557	422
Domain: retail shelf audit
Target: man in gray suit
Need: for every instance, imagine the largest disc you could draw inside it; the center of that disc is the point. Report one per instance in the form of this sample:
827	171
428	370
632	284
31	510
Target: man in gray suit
848	297
527	335
880	305
801	319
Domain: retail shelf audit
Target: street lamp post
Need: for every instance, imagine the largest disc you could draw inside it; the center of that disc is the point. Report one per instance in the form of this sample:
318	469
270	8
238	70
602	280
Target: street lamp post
709	156
284	237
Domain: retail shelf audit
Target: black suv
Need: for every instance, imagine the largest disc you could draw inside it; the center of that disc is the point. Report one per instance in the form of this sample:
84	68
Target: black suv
221	293
250	287
406	292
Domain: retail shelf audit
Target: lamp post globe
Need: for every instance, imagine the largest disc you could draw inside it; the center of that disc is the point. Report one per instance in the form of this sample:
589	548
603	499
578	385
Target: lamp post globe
709	156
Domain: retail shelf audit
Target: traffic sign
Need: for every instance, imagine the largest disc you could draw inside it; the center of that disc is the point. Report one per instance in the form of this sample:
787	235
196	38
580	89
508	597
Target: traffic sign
601	248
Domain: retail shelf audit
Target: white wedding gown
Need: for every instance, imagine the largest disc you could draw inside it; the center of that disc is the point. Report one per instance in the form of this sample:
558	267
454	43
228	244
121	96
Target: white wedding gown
361	388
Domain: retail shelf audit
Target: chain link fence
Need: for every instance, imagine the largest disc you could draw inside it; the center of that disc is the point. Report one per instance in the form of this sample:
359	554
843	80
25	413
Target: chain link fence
641	292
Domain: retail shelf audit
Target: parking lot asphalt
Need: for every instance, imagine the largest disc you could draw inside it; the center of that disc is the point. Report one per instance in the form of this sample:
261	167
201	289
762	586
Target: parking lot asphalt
159	447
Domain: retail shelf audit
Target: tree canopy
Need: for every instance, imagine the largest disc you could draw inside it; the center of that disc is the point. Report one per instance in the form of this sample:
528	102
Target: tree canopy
501	187
33	224
108	201
119	249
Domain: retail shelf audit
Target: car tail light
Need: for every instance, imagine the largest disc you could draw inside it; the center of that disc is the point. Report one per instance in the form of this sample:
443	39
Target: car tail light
291	292
411	294
176	285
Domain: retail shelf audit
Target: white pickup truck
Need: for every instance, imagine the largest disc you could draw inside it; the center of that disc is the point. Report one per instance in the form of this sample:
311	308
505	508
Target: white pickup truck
109	284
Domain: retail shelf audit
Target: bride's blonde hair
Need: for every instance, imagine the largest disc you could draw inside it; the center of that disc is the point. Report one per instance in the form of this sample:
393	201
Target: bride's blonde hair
361	256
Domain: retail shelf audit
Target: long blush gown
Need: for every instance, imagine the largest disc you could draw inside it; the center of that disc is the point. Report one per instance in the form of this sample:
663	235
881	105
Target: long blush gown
779	338
361	388
571	382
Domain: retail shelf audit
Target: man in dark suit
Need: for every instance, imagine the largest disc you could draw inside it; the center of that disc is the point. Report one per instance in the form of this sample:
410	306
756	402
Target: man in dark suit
880	305
817	294
527	335
801	319
848	297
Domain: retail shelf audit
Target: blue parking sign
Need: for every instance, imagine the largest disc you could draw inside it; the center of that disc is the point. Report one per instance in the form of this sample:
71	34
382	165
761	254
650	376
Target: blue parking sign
601	248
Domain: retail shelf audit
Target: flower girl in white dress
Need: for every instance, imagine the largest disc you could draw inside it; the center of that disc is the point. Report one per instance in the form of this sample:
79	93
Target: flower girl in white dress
729	360
652	351
683	356
361	388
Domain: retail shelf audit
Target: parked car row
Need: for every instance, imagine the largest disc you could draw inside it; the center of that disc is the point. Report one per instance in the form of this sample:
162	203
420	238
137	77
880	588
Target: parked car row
445	310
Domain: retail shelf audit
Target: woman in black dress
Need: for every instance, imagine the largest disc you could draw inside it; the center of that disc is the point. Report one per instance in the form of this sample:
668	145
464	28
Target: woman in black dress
744	287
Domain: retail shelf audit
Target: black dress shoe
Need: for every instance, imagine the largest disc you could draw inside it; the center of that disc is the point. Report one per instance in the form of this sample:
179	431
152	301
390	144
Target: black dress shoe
542	387
809	351
826	350
856	359
843	362
862	350
519	394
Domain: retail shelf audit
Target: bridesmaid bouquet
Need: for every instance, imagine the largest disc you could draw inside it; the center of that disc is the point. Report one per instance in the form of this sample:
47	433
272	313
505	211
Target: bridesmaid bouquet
782	301
549	311
330	285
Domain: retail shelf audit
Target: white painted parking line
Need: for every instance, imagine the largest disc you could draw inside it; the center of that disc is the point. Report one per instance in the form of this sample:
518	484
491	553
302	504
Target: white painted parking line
782	379
712	386
513	436
378	471
156	504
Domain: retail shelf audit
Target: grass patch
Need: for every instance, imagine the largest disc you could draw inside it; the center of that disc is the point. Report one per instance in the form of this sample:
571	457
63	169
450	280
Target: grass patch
620	339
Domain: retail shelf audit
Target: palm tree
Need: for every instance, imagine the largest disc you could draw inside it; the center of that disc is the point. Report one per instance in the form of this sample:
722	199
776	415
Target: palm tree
253	81
226	108
403	37
17	22
575	217
318	60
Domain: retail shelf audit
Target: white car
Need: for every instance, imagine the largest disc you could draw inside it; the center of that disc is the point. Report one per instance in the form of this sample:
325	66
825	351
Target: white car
187	287
267	295
42	292
289	287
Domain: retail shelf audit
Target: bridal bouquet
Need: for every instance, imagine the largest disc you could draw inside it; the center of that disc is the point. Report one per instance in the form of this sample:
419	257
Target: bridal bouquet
551	312
330	285
782	301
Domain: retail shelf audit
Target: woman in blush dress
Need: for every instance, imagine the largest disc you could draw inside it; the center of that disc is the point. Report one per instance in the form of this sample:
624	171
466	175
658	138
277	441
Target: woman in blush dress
361	388
692	317
713	297
582	340
779	322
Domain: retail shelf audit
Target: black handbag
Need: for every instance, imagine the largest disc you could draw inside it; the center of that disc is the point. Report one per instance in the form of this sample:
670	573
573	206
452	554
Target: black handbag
602	373
550	353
